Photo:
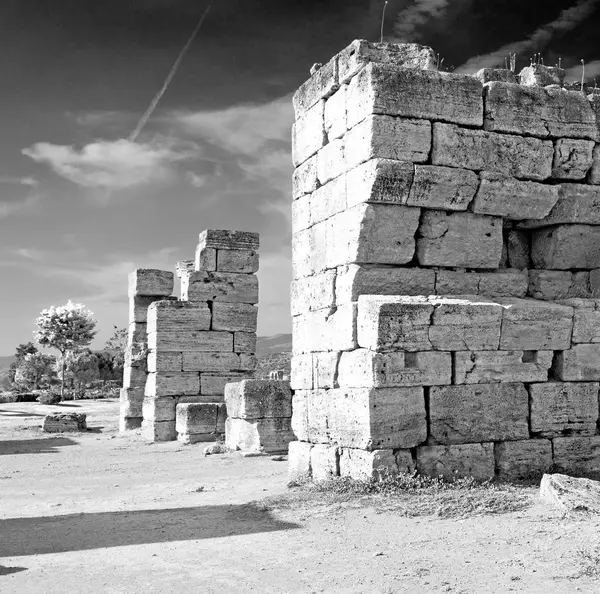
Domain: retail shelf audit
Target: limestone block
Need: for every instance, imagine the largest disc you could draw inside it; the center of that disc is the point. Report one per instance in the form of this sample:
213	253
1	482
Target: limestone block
206	258
328	200
207	361
299	460
586	321
459	239
165	362
259	435
301	373
186	340
129	423
258	399
474	413
538	75
445	188
577	456
566	246
224	239
331	161
372	234
487	75
304	180
314	292
513	199
456	461
159	430
158	409
301	214
519	249
572	158
299	422
363	465
239	261
172	384
386	137
552	285
577	203
308	133
535	325
580	363
197	418
324	461
363	368
537	111
325	369
220	286
421	94
138	308
594	283
502	283
320	85
150	282
134	377
570	494
64	422
335	114
564	408
172	316
212	384
523	158
183	267
325	331
519	460
471	323
594	177
379	180
488	367
370	419
244	342
355	280
360	52
308	247
130	402
394	323
234	317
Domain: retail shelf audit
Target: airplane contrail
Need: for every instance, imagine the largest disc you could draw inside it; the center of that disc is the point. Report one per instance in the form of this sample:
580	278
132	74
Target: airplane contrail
154	103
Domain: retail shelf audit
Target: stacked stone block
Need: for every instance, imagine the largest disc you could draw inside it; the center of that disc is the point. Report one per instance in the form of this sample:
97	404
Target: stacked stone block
259	414
418	186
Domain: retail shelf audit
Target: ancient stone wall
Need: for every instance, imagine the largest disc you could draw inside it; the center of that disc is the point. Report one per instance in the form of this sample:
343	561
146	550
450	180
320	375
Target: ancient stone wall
436	218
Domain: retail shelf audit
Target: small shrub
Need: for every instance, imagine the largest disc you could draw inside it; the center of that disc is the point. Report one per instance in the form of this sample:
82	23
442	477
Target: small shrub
26	397
7	397
49	398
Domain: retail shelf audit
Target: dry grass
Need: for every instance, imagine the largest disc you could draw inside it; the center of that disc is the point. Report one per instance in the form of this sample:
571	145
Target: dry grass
589	562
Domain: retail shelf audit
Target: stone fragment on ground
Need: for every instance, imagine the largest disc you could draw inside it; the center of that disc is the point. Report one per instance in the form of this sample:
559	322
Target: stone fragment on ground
570	494
62	422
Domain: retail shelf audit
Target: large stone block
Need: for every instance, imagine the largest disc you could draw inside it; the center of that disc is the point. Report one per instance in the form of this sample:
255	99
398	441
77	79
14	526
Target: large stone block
304	179
535	111
456	461
165	362
219	286
197	418
308	133
513	199
172	316
409	93
386	137
64	422
444	188
184	340
206	259
502	283
259	435
308	249
530	325
234	317
320	85
138	308
459	239
579	363
314	292
476	413
326	201
324	330
130	402
539	75
519	460
299	460
364	465
553	285
331	161
483	367
158	409
335	114
213	384
209	361
523	158
324	462
487	75
172	384
564	408
238	261
301	214
159	430
301	372
325	369
150	282
223	239
586	320
244	342
134	377
577	456
363	368
572	158
258	399
566	246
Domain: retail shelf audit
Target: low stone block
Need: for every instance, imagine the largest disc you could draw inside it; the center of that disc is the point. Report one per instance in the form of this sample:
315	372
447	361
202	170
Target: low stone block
159	409
220	286
244	342
308	133
165	362
572	158
212	384
538	75
159	430
186	340
197	418
134	377
172	316
64	422
324	330
564	247
487	75
577	456
519	249
459	240
304	179
258	399
172	384
520	460
363	465
335	114
130	423
272	435
488	367
586	320
579	363
530	325
467	414
478	150
150	282
502	283
234	317
455	461
300	407
224	239
138	308
324	462
444	188
299	460
238	261
564	408
550	285
314	292
206	259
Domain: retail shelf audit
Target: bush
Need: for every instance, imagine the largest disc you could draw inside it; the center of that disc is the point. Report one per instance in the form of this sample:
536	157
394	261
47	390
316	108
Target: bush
26	397
49	398
6	397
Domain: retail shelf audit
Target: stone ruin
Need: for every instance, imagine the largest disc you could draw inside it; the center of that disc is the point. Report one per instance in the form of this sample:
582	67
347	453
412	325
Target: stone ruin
446	261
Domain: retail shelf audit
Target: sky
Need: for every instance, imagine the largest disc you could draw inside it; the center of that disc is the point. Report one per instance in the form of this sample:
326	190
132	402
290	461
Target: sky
81	205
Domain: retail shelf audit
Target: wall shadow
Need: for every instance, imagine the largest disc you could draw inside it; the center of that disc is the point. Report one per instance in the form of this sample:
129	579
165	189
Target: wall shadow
18	413
8	570
79	532
34	446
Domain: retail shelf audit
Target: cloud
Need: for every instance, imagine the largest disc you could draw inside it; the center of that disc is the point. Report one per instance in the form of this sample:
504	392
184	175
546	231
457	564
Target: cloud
592	70
118	164
566	21
14	201
22	181
408	21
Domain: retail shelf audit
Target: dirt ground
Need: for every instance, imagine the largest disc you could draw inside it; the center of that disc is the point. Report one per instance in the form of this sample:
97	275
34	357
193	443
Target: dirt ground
104	512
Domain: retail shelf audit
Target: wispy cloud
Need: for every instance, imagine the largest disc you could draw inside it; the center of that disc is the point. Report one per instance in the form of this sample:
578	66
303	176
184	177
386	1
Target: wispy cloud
21	181
592	70
14	200
411	18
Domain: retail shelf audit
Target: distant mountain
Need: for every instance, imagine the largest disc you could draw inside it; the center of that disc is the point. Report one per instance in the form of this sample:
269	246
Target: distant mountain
268	345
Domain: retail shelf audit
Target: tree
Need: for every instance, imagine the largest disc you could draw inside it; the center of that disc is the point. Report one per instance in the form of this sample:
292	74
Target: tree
21	351
81	367
113	360
33	369
118	341
65	328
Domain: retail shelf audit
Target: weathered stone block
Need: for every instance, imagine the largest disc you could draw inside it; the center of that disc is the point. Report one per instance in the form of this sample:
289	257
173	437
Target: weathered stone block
206	259
244	342
220	286
172	316
513	199
308	133
459	239
308	247
325	369
324	330
64	422
501	283
314	292
519	460
259	435
207	361
234	317
487	75
130	423
172	384
523	158
445	188
197	418
258	399
409	93
572	158
530	325
483	367
238	261
299	460
586	320
224	239
185	340
577	456
363	465
130	402
538	75
138	308
519	249
150	282
563	408
566	246
335	114
212	384
299	422
165	362
328	200
455	461
134	377
301	214
304	179
158	409
386	137
552	285
159	430
301	373
465	414
331	161
594	177
324	462
320	85
580	363
363	368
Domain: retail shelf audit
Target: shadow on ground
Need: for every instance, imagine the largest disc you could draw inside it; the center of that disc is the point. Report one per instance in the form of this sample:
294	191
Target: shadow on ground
8	570
18	413
78	532
34	446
